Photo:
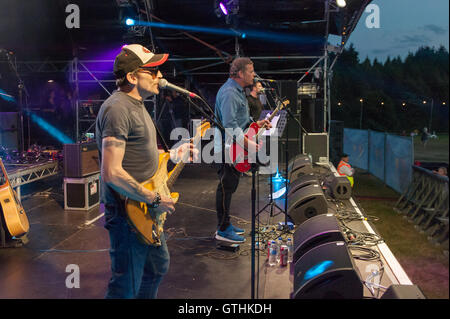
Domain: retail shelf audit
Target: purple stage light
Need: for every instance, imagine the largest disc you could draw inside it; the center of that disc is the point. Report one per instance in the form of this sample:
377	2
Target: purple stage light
223	8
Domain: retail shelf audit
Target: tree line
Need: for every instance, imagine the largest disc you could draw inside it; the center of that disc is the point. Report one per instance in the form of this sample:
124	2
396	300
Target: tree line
391	95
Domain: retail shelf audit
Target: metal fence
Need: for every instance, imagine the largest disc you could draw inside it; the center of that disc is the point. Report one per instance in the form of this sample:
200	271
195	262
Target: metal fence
388	157
425	203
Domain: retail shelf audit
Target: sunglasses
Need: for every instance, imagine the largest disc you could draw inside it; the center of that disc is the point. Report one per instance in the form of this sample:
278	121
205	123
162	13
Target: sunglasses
151	71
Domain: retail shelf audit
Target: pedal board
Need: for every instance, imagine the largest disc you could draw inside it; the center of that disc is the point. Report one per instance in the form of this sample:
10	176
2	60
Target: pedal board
223	245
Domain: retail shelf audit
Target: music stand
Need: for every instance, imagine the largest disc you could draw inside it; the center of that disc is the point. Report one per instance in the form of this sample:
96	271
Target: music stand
281	124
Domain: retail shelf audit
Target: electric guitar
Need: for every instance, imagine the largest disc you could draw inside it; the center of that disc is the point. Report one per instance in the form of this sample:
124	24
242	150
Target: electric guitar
15	218
238	154
142	218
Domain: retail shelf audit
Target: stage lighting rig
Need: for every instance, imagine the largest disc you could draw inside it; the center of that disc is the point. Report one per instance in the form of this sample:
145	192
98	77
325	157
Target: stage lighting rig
341	3
226	8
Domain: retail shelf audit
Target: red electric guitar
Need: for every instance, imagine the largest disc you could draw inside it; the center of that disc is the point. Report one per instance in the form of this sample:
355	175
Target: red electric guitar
238	153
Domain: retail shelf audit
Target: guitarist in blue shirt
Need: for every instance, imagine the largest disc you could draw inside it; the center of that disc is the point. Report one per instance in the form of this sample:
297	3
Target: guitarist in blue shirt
232	111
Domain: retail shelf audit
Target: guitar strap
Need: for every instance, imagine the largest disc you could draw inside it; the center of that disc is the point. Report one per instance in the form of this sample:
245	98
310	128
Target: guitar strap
166	148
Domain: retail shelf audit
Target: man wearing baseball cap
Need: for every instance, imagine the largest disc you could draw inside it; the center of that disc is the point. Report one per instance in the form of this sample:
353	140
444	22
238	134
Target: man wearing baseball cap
127	143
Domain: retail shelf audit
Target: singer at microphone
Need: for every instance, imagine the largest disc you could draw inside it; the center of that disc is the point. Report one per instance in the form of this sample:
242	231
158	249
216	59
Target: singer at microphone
254	103
164	84
264	80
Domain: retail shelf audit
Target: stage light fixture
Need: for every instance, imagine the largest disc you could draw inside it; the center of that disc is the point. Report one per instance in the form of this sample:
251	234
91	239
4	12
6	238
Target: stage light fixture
129	21
341	3
226	8
223	8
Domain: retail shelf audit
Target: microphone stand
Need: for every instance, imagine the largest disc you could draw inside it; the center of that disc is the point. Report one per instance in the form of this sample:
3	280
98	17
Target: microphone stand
22	89
254	167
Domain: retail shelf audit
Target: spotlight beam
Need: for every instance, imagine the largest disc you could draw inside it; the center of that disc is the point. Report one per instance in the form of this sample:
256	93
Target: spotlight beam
263	35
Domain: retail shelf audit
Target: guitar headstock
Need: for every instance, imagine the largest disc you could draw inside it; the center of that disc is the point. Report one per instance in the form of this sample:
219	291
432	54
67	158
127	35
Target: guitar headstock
284	104
202	128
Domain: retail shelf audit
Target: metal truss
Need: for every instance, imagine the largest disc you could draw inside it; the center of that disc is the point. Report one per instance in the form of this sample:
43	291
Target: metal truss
31	174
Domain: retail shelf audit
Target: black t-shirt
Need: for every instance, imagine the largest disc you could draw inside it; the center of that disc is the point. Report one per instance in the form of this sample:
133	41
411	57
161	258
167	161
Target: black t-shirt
255	107
126	118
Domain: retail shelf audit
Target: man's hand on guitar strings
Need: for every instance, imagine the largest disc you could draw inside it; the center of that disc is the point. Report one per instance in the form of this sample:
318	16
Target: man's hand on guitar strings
183	149
166	205
264	123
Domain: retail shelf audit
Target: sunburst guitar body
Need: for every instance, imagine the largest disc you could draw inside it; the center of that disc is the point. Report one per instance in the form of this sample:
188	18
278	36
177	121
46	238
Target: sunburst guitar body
147	224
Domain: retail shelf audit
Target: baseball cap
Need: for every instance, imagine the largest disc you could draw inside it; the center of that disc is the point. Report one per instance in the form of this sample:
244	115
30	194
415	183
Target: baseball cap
134	56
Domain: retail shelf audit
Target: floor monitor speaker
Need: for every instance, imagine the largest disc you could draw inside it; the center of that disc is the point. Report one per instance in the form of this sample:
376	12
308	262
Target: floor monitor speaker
327	272
300	167
341	187
300	157
316	231
302	181
306	202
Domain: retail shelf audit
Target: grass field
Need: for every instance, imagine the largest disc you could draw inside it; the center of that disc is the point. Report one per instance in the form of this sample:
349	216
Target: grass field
436	150
425	264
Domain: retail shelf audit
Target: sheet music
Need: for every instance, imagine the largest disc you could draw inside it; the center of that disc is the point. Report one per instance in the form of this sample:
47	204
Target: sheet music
274	122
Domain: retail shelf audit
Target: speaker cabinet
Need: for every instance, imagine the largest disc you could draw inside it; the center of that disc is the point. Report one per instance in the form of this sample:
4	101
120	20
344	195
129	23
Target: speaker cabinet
300	157
8	130
300	167
81	159
302	181
306	202
403	292
327	272
315	231
341	187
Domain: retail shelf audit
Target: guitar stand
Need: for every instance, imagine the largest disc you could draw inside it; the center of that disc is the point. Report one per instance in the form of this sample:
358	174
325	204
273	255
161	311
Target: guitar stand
5	239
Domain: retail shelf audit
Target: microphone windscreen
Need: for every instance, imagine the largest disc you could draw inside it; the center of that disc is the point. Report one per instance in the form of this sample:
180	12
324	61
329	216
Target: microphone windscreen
162	83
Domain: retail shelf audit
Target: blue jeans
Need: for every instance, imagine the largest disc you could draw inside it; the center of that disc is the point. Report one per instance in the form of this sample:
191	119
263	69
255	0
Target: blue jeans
137	268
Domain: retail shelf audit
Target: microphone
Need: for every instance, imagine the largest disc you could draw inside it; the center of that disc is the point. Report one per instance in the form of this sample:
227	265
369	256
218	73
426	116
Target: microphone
164	84
266	80
267	89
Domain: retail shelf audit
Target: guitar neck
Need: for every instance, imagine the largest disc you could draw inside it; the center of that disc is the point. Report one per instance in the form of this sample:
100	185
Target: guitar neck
180	165
5	174
270	118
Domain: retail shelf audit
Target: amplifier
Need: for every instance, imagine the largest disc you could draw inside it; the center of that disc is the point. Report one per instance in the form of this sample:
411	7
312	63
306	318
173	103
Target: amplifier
81	193
81	159
8	130
327	272
316	144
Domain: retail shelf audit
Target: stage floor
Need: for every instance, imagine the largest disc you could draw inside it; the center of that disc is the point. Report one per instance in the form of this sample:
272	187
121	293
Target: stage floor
59	238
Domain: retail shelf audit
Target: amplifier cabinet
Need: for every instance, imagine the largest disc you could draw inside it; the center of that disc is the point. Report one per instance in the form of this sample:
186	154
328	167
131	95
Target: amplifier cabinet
81	159
81	193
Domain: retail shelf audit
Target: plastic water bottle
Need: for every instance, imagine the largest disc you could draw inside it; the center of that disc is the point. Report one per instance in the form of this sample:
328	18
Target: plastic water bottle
290	249
279	244
273	253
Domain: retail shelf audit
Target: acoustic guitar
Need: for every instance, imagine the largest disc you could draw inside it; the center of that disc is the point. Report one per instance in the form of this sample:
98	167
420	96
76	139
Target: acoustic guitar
142	218
238	154
15	218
